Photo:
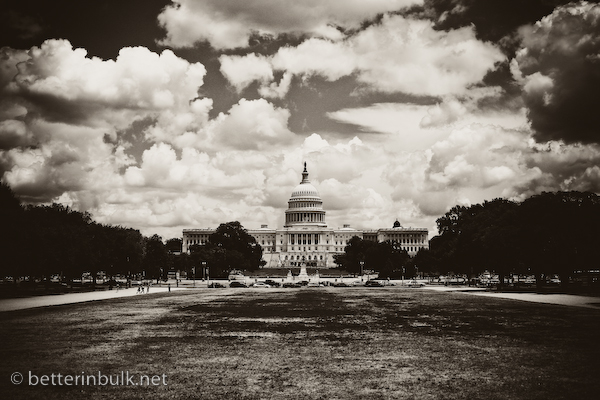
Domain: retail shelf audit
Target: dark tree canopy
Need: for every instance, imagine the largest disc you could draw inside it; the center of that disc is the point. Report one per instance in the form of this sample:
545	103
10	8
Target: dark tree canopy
229	247
174	245
550	233
40	241
387	257
155	259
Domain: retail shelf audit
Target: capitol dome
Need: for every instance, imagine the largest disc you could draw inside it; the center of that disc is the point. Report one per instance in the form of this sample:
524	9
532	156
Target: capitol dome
305	206
305	188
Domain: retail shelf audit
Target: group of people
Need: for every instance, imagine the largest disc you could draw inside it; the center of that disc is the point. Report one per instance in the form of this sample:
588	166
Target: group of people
140	289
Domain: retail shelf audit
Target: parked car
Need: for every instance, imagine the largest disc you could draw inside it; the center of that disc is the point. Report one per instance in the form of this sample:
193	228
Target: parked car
384	282
373	284
260	285
315	284
272	283
237	284
340	284
216	285
291	285
414	283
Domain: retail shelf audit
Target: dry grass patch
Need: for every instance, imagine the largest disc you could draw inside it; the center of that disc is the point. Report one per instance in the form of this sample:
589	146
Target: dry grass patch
322	343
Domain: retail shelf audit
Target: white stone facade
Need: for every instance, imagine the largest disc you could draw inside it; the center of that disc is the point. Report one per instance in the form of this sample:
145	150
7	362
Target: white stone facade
305	237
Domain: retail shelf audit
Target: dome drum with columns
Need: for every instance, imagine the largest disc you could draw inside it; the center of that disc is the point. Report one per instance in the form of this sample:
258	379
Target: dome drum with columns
305	238
305	206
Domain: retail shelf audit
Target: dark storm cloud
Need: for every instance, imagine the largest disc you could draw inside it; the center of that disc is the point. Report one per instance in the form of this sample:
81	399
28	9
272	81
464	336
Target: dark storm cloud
23	26
558	67
494	20
102	27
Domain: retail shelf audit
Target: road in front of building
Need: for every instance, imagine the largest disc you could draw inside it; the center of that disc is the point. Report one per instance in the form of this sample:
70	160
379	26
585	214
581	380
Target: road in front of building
70	298
550	298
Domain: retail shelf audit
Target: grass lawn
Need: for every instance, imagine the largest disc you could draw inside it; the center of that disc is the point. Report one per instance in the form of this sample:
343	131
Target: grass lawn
309	343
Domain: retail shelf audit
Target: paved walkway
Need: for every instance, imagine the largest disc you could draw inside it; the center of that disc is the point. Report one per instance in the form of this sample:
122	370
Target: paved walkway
551	298
69	298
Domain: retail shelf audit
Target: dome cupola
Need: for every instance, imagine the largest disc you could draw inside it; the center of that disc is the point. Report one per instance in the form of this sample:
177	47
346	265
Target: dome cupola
305	206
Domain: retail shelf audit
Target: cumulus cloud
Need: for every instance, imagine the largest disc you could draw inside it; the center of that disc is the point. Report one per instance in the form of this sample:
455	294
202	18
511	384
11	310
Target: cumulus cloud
55	77
252	124
81	157
396	55
241	71
331	60
409	56
69	122
557	67
69	158
62	113
230	25
477	156
444	113
480	162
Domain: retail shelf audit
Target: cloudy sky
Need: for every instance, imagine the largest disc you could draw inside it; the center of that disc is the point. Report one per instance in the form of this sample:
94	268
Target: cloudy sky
164	115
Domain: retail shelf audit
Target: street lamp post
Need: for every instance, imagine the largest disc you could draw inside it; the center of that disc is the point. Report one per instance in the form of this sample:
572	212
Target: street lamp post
362	266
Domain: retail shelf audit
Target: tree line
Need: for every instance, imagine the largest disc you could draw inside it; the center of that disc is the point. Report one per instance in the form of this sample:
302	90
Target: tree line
41	241
45	240
553	233
387	258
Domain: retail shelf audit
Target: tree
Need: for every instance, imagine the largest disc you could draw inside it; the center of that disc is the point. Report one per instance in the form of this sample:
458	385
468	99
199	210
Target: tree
389	259
355	252
425	262
12	231
475	238
547	234
229	247
155	257
174	245
62	239
561	229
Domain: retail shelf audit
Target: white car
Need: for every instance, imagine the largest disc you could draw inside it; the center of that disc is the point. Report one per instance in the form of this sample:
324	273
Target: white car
260	285
415	284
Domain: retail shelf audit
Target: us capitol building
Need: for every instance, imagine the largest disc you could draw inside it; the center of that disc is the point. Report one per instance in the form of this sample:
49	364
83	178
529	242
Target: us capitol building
305	237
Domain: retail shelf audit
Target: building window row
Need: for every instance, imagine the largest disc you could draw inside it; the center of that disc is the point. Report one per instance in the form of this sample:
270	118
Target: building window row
305	217
302	257
303	238
311	204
